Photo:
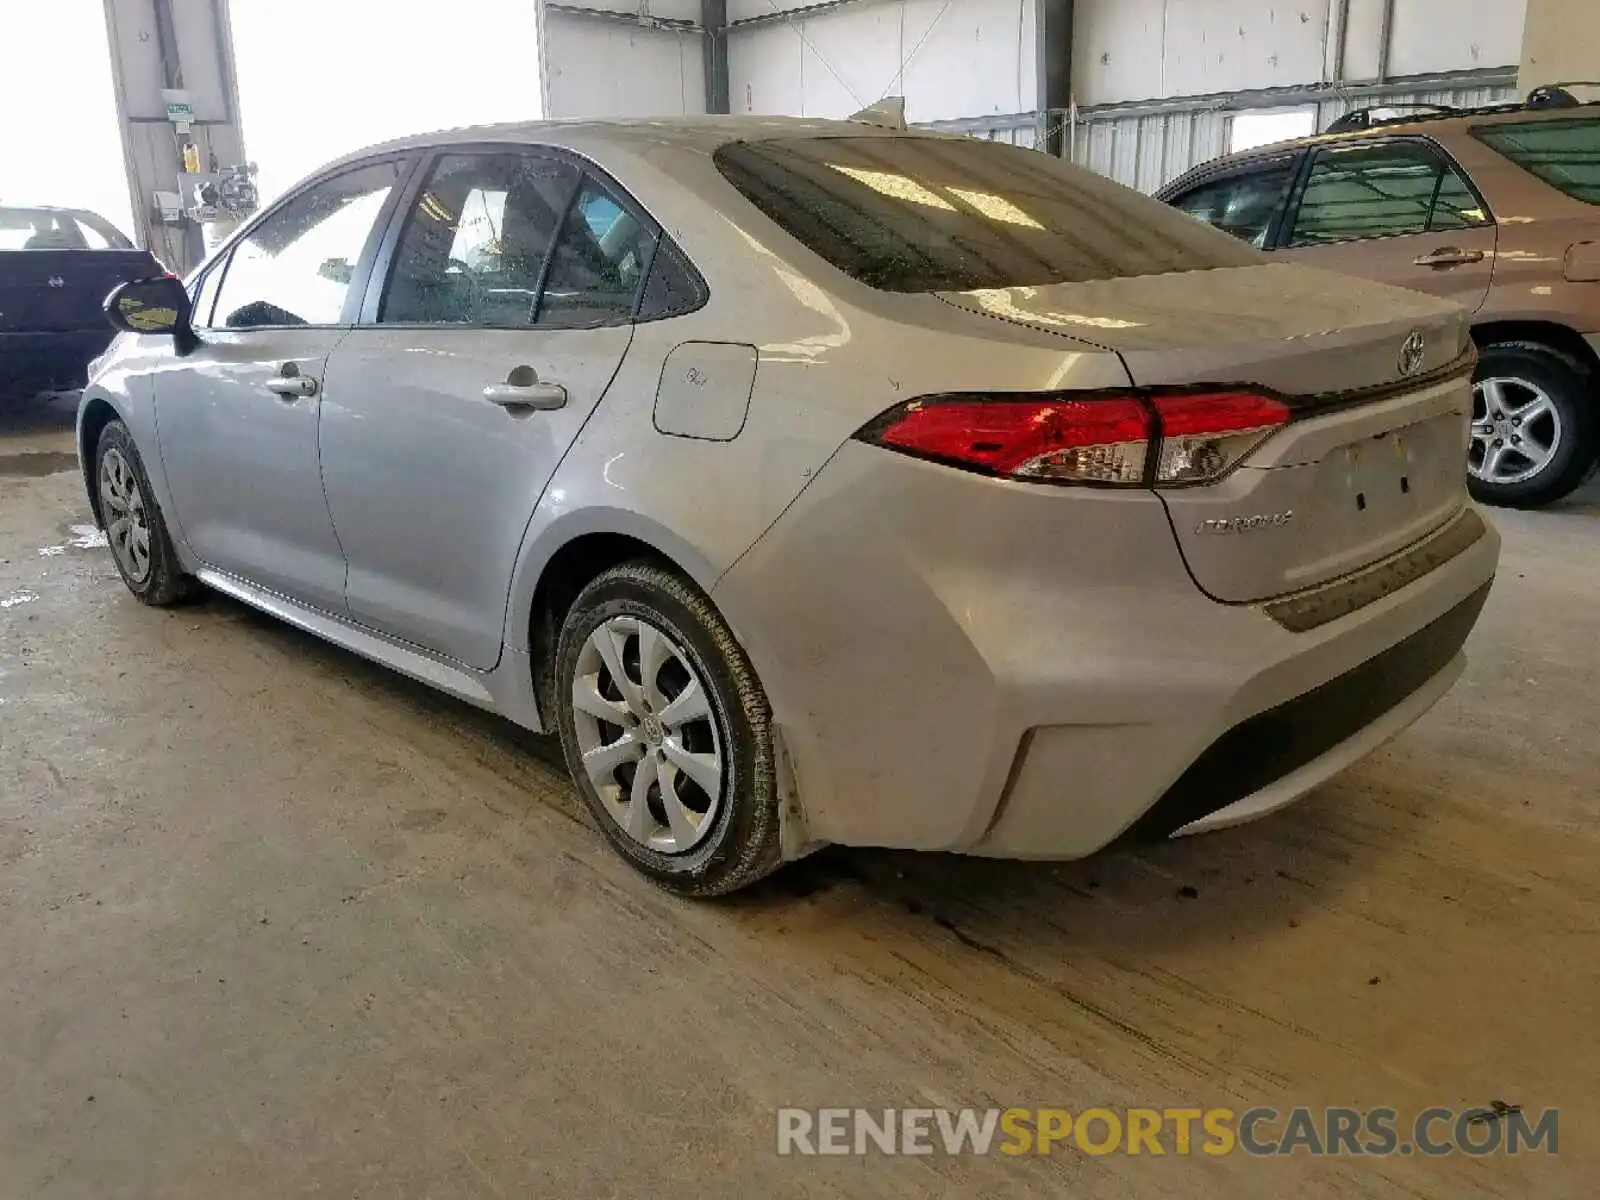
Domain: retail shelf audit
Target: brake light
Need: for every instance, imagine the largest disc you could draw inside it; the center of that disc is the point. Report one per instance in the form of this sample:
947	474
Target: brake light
1122	440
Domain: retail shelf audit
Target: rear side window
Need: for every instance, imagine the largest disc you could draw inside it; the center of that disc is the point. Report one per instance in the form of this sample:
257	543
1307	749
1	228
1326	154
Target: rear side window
598	265
476	241
1241	204
1386	190
672	288
1565	154
913	214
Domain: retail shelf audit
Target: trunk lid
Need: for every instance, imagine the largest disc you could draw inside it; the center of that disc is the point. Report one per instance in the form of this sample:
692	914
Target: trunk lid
59	291
1376	457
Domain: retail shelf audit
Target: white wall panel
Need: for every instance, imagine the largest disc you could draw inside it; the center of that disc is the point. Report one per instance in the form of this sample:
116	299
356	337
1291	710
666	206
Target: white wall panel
977	57
764	71
600	68
1132	50
1433	35
957	59
848	59
1147	49
1363	41
1561	40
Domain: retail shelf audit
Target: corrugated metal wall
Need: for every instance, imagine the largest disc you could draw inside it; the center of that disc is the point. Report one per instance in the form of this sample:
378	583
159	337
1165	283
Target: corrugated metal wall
1146	146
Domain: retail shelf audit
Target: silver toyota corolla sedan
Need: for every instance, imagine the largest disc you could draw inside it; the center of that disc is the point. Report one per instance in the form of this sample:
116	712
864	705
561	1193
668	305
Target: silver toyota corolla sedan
817	482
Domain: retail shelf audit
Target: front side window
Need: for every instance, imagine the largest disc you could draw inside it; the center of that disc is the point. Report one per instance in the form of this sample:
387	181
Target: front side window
296	266
1242	205
1565	154
1386	190
599	263
922	214
475	242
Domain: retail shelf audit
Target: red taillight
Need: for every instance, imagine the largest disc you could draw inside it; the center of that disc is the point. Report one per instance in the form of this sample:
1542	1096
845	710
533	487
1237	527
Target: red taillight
1102	440
1130	440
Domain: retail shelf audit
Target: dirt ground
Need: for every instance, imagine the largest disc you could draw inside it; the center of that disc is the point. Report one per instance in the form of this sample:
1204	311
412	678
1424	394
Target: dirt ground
276	922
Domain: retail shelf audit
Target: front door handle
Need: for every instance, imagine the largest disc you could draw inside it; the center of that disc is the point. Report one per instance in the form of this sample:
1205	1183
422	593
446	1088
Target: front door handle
524	389
293	387
290	384
1449	256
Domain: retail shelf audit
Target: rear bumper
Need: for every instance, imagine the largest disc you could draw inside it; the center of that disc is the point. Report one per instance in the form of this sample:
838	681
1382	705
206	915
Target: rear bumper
50	359
1270	739
1275	756
963	664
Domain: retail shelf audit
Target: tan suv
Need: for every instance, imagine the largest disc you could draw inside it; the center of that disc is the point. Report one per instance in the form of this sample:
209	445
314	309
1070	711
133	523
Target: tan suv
1497	208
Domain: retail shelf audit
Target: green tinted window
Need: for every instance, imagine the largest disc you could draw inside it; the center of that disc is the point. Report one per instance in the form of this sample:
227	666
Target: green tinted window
1565	154
1386	190
1456	206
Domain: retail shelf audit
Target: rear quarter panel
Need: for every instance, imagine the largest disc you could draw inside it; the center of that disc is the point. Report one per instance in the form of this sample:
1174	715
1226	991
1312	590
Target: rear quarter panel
1537	224
831	354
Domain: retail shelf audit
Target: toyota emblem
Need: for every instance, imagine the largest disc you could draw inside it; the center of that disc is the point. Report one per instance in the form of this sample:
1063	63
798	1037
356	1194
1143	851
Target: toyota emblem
1412	352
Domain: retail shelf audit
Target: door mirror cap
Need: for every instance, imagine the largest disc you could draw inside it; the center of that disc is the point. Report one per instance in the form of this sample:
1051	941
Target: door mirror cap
158	305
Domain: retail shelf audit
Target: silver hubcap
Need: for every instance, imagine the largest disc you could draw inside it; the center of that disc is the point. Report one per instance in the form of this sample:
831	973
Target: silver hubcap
649	740
1516	430
127	521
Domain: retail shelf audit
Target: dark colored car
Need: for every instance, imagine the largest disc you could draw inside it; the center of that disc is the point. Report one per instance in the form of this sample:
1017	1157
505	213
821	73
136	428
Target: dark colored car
1496	208
57	266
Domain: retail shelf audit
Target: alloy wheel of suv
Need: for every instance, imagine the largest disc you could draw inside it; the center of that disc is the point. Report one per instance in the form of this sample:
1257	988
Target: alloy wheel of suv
1516	430
1535	431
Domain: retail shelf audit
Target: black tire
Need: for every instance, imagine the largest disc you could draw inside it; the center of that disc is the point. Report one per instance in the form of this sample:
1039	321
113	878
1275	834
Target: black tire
1572	388
164	582
743	842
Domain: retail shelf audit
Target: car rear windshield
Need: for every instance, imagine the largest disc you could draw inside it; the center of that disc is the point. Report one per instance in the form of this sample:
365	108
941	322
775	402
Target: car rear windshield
1565	154
918	214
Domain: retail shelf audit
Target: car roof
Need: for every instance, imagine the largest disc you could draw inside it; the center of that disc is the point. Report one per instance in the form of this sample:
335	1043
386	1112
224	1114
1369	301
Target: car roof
1424	123
693	133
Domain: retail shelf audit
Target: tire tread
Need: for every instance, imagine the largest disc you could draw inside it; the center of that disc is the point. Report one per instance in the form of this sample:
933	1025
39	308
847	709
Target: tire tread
168	585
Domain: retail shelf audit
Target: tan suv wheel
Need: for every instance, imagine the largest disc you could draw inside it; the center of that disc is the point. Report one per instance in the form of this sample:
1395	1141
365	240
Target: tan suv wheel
1534	429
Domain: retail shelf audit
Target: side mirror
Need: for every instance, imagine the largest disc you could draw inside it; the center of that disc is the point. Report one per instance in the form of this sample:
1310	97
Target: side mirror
158	305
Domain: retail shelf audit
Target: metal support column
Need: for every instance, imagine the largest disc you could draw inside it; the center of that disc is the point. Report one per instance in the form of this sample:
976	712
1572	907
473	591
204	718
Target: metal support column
183	45
714	25
1053	56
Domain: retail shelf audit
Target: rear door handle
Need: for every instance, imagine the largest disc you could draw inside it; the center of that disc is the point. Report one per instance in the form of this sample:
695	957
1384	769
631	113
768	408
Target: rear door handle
1449	256
293	387
524	389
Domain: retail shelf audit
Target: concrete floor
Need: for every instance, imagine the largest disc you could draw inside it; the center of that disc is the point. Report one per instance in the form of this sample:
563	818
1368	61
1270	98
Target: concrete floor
274	921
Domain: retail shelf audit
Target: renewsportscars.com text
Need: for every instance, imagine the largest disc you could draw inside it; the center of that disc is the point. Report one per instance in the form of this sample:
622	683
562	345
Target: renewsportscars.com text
1259	1132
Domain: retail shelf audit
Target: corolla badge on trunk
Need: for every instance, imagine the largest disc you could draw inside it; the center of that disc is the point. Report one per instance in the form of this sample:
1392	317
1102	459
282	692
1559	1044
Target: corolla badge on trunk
1248	524
1412	352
